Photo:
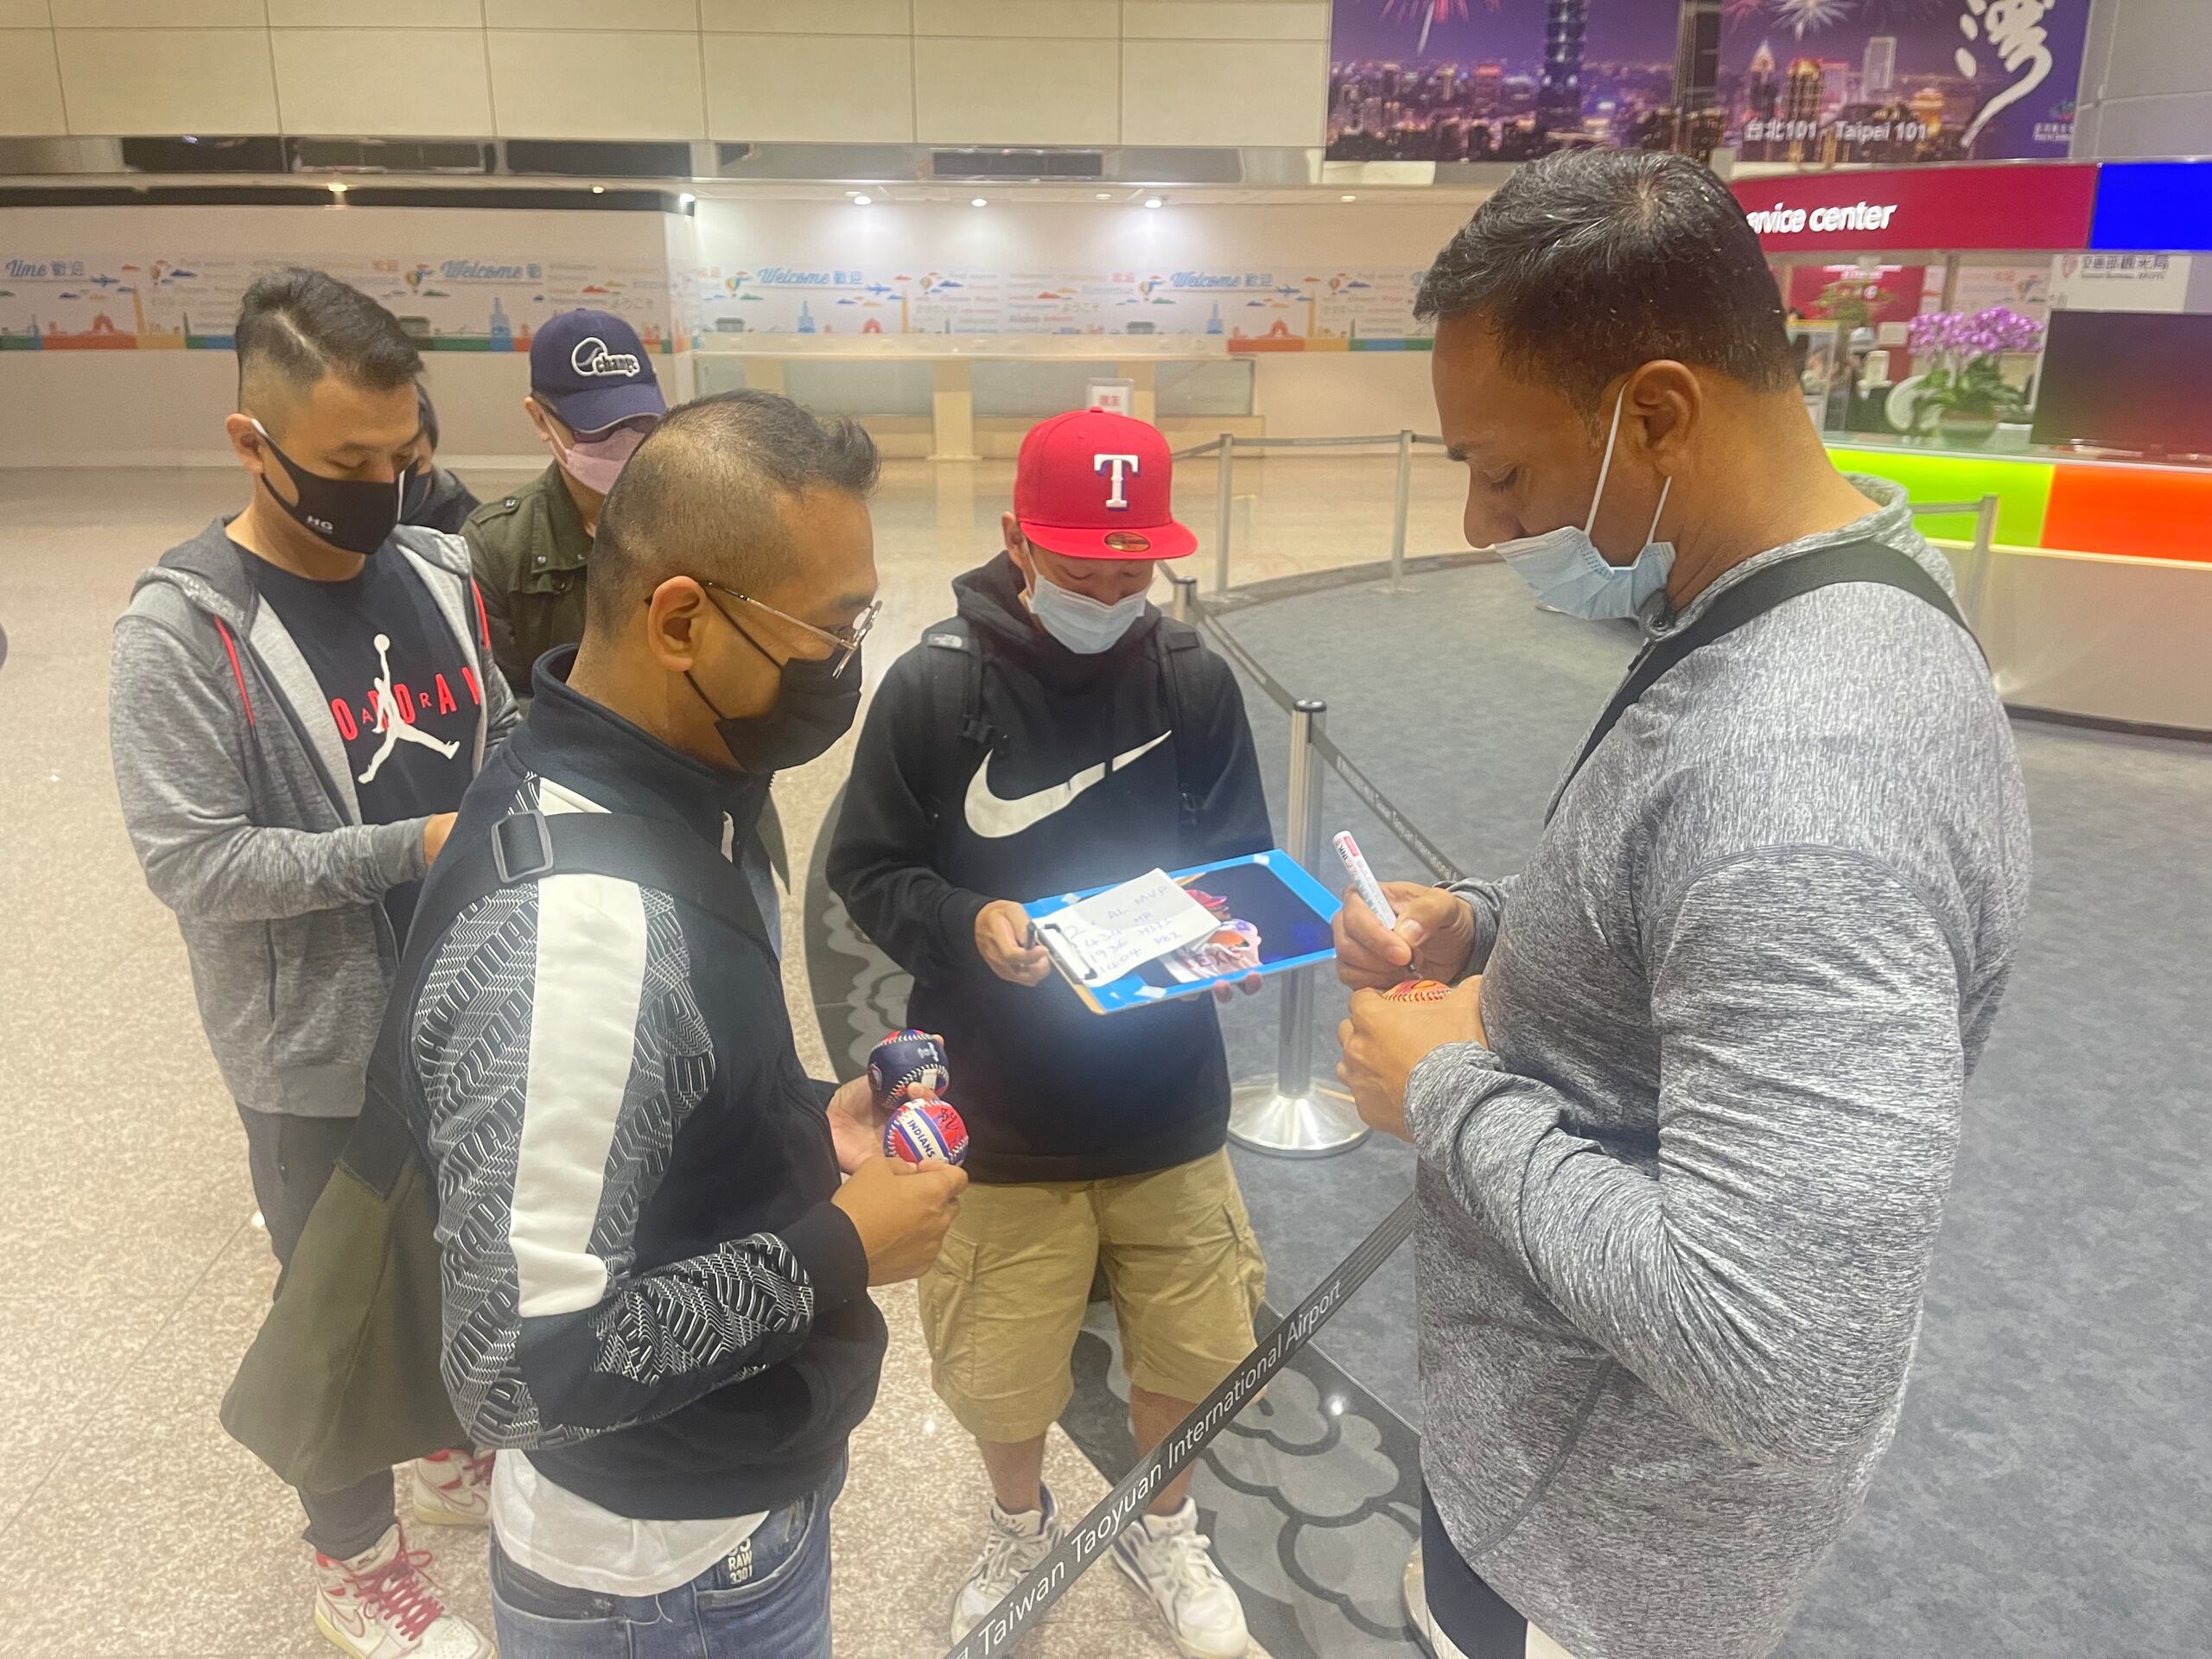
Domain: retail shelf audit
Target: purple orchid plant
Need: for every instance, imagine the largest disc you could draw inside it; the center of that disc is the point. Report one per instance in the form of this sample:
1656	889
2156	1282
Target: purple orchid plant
1967	351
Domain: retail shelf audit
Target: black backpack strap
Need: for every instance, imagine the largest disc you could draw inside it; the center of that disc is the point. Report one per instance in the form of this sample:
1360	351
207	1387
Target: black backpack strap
529	846
1182	660
956	684
1755	595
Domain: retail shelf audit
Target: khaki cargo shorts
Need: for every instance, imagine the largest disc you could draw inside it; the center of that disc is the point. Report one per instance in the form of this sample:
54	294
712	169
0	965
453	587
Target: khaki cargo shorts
1000	1309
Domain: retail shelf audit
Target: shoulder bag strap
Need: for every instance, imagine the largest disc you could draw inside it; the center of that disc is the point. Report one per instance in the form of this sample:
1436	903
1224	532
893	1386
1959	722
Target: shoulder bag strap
1757	594
528	846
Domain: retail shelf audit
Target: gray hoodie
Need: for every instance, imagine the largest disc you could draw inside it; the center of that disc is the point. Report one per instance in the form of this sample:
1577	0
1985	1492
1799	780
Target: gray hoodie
1677	1217
241	806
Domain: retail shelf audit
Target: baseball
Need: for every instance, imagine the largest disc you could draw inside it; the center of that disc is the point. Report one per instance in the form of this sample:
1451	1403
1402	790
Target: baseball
1419	990
908	1065
926	1131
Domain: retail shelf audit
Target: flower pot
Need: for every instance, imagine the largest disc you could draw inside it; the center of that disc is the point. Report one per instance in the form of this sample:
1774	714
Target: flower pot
1957	431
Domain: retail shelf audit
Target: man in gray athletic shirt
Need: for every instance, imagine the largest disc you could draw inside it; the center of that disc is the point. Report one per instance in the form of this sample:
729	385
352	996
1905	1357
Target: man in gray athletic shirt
1686	1125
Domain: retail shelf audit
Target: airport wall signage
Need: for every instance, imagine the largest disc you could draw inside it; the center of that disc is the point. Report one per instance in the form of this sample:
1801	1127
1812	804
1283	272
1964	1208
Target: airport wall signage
1948	208
1813	83
2159	206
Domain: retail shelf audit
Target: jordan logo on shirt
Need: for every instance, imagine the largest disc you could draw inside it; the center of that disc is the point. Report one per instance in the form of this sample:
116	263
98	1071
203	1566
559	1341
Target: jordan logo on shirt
993	818
392	721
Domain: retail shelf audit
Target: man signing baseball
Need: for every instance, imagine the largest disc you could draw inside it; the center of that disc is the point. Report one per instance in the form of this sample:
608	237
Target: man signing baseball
1686	1123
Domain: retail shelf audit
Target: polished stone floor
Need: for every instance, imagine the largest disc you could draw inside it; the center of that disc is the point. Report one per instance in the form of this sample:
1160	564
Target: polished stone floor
128	1522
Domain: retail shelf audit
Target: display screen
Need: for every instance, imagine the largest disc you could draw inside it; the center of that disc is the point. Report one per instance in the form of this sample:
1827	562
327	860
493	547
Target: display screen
2127	380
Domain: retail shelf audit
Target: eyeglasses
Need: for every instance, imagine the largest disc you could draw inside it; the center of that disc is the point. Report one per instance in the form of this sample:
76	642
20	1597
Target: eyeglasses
846	642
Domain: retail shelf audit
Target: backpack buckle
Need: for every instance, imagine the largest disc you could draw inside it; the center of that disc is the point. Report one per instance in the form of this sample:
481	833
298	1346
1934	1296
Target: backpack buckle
531	858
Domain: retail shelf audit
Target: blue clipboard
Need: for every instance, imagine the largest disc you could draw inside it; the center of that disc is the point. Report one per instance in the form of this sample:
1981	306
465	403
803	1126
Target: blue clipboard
1269	893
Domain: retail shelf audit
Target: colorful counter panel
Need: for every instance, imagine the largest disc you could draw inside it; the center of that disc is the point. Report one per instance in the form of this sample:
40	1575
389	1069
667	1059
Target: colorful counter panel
2067	505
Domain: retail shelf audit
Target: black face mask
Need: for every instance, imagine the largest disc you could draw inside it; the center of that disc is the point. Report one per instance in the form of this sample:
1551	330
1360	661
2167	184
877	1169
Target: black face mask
814	708
356	514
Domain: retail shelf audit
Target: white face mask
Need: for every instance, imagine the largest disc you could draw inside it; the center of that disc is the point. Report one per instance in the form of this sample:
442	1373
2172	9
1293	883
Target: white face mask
1569	573
1079	622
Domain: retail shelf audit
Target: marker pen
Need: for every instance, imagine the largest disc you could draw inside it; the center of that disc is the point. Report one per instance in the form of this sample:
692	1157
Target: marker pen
1363	879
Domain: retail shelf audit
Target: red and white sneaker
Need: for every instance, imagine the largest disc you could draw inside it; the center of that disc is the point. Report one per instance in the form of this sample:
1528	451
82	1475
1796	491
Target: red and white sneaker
383	1604
452	1489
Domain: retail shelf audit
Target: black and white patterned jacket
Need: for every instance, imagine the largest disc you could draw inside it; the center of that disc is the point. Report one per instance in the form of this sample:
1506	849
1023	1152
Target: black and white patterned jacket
645	1284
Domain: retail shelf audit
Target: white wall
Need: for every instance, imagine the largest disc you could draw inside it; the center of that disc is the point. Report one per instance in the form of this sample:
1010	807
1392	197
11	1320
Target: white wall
1298	394
990	72
145	408
2146	79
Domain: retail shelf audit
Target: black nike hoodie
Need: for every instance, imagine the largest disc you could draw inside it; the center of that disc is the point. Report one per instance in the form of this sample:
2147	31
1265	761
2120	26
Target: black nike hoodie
1051	1091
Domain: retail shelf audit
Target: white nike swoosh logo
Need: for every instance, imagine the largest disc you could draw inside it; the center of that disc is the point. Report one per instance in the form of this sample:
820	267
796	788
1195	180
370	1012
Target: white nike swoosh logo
995	818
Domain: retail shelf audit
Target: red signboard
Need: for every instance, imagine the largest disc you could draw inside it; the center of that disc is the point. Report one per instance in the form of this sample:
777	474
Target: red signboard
1945	208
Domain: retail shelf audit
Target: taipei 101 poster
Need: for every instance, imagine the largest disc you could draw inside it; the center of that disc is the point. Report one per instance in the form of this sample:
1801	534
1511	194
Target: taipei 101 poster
1808	83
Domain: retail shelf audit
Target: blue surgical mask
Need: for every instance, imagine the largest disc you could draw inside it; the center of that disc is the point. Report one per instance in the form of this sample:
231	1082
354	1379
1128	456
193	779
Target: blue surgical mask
1079	622
1569	573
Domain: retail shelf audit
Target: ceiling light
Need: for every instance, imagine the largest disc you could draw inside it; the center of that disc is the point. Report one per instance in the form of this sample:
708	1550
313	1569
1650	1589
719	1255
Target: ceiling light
1153	201
337	189
862	201
1347	198
599	189
977	201
1105	195
686	200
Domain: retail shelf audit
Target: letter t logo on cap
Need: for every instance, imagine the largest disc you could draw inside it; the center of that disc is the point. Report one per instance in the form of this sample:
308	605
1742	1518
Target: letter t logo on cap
1115	464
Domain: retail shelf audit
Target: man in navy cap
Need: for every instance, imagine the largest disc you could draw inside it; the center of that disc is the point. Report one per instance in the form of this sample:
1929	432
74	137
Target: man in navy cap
593	397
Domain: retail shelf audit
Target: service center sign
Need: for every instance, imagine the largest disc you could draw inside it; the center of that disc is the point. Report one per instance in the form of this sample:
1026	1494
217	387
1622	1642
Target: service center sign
1943	208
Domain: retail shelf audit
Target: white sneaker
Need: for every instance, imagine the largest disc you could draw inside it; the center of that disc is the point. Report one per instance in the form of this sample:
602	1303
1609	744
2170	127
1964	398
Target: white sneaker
1416	1593
1171	1559
383	1604
452	1489
1014	1544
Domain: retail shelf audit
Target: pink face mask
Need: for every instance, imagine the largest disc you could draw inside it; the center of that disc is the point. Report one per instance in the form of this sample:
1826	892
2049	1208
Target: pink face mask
595	463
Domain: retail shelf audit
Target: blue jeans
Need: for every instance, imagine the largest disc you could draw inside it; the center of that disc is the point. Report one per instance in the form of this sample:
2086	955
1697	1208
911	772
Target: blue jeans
768	1600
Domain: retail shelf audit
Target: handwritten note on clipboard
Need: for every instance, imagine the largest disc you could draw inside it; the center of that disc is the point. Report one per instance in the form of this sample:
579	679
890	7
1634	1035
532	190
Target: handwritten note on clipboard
1102	939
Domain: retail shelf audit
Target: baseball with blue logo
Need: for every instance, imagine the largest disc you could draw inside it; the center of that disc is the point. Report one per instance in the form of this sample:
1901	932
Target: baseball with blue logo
926	1132
908	1065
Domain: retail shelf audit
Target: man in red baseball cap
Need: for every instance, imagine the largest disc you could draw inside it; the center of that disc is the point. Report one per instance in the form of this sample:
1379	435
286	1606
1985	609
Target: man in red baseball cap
1060	733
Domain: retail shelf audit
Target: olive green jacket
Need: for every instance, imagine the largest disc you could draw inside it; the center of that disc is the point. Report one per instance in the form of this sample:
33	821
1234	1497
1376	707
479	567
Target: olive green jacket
529	549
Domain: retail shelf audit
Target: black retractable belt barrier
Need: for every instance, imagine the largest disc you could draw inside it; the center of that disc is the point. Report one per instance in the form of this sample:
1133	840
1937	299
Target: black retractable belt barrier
1087	1541
1360	783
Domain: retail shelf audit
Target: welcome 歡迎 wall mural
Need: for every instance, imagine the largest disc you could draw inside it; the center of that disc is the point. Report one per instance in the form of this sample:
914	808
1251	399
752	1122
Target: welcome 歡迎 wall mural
1812	82
66	300
1310	306
70	300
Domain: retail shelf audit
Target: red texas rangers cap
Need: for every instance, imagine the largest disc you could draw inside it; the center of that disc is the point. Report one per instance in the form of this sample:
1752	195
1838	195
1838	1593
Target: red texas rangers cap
1094	485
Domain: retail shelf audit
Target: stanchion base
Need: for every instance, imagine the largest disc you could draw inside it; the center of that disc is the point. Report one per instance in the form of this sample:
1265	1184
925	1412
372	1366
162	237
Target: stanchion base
1316	1124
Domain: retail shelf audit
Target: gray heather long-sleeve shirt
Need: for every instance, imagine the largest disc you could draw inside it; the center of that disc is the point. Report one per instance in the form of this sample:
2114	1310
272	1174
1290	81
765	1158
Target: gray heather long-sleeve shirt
1676	1218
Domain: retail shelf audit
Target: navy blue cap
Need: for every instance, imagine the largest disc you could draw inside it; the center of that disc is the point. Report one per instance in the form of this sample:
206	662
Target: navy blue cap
591	369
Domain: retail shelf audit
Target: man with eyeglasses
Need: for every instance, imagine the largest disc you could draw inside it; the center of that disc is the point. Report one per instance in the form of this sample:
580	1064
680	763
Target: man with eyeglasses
655	1287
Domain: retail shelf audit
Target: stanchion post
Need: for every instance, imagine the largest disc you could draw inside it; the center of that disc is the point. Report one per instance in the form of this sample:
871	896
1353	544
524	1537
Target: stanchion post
1182	594
1402	501
1225	478
1984	554
1286	1113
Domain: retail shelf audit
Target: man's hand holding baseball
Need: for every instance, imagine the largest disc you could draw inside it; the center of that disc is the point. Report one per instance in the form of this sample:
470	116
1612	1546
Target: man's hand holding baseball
857	1121
901	1212
1384	1040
